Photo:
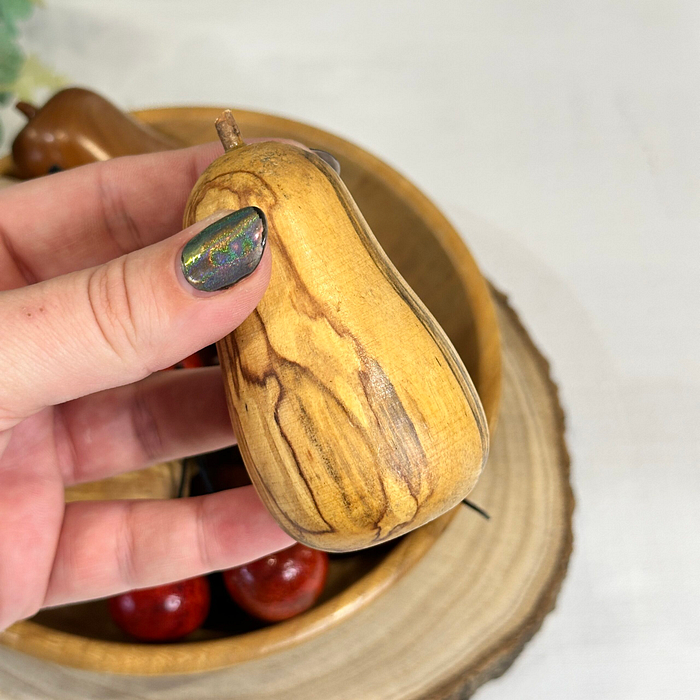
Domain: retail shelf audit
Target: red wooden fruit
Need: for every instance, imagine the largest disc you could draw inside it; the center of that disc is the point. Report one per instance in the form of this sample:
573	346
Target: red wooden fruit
280	585
162	613
193	361
206	357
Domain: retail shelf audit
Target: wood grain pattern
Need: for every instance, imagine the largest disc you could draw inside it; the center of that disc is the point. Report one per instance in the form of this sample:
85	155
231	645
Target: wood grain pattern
356	418
457	619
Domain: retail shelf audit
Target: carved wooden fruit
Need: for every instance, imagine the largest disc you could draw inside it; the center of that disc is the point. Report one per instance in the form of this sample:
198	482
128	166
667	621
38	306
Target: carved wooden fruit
356	418
76	127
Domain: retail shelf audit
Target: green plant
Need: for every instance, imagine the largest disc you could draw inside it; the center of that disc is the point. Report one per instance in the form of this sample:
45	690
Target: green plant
21	74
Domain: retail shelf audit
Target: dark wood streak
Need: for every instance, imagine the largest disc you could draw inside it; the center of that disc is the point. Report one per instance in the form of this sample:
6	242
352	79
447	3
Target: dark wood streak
295	457
375	404
227	345
312	435
203	192
272	374
262	382
410	298
389	413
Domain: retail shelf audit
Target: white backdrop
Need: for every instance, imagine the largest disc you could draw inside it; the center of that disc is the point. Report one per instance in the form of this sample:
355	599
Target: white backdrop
563	139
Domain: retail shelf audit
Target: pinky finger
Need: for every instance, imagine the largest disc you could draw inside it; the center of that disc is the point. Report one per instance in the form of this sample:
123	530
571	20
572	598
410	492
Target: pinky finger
109	547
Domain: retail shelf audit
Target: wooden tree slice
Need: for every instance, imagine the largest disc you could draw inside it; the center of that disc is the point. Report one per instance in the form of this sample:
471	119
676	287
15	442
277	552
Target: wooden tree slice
456	620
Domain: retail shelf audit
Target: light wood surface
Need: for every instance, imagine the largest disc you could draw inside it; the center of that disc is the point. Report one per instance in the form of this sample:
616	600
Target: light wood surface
431	256
158	481
457	619
355	416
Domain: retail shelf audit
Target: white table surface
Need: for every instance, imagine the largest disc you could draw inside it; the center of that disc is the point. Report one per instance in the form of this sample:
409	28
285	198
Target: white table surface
563	139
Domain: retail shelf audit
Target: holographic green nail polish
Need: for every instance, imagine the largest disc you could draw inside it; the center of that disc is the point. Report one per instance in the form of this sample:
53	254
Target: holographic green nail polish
226	251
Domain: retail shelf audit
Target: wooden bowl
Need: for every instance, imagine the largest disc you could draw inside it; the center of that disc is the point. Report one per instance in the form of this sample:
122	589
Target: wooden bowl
434	260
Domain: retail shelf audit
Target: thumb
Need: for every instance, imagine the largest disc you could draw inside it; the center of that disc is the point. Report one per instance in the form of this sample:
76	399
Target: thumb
114	324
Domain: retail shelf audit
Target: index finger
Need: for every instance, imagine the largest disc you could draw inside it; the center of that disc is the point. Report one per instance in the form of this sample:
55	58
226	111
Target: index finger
84	217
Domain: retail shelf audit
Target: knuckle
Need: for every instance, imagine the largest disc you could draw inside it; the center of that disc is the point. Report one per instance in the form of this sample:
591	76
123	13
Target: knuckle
109	297
116	219
126	553
146	426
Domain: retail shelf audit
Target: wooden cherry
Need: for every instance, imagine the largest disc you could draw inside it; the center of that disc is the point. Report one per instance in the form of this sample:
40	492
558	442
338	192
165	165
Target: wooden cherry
162	613
280	585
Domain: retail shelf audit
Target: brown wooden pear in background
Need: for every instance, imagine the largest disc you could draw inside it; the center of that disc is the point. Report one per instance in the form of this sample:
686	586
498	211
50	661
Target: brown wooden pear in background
76	127
356	418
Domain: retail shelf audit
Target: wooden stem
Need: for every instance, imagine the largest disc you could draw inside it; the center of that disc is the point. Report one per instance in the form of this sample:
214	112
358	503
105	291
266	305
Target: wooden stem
29	110
229	133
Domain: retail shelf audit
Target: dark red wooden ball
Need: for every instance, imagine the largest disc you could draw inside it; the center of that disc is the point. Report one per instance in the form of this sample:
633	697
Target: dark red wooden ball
280	585
163	613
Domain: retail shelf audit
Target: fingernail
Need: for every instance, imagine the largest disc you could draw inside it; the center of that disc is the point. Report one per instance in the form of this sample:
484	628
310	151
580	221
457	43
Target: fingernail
226	251
324	155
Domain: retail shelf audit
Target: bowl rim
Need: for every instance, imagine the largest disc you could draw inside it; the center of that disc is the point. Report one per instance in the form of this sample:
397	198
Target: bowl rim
197	656
140	659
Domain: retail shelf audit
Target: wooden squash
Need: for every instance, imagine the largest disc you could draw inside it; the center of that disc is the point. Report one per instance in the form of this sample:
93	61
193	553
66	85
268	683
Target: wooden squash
356	418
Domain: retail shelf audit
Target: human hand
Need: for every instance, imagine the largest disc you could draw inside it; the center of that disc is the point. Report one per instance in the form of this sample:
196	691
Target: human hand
93	301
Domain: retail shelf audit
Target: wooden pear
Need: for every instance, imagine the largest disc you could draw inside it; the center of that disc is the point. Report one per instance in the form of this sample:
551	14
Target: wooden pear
76	127
356	418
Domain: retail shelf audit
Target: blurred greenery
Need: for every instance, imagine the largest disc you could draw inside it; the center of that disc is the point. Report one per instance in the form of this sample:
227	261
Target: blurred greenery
21	75
12	11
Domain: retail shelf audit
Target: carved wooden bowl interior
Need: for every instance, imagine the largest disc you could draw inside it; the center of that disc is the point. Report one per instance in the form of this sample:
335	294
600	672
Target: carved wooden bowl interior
436	263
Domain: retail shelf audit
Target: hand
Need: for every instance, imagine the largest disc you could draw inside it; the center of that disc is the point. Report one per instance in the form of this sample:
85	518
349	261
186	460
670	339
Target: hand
93	301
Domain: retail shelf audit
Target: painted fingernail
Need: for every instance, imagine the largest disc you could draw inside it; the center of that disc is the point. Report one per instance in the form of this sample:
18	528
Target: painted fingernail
226	251
324	155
